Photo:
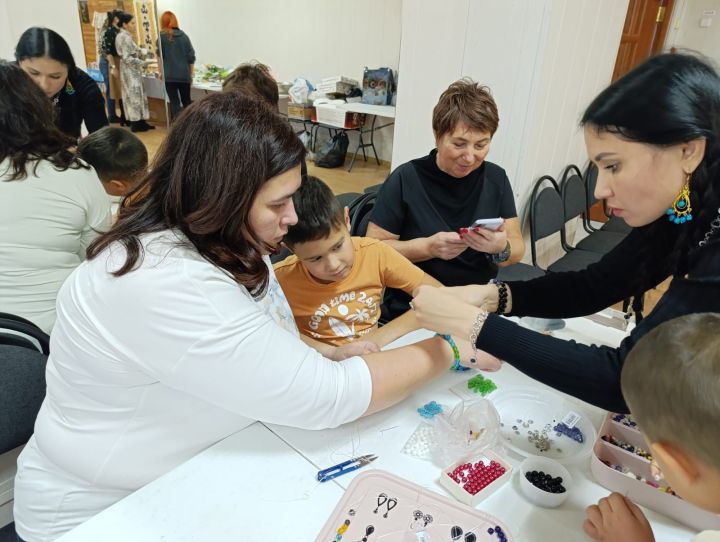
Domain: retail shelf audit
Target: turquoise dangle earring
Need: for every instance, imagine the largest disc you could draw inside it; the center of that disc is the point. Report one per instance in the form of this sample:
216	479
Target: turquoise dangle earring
681	212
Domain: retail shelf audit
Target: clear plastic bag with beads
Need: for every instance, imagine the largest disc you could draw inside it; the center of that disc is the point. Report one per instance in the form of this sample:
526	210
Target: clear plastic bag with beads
467	430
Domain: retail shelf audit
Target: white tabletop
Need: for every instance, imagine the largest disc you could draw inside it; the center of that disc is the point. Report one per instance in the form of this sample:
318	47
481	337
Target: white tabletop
386	432
378	110
253	486
250	486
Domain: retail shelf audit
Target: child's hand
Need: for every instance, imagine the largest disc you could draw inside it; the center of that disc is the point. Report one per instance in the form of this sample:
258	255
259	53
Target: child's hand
617	518
355	348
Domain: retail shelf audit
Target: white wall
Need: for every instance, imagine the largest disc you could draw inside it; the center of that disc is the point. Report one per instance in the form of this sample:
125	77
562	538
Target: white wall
60	15
685	31
308	38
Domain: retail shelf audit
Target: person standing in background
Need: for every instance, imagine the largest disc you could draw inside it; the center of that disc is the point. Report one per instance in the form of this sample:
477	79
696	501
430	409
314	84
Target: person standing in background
131	75
178	59
110	67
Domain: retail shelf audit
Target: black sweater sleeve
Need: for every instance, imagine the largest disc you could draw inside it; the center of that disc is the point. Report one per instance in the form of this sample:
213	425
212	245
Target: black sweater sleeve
579	293
591	373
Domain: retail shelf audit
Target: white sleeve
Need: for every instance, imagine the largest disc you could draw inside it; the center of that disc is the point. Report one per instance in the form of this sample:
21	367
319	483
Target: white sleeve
255	368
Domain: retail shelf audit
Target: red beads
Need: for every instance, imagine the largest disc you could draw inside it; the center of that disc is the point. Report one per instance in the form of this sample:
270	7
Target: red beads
475	477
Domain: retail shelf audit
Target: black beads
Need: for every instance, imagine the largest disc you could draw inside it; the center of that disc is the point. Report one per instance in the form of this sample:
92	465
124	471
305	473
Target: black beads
545	482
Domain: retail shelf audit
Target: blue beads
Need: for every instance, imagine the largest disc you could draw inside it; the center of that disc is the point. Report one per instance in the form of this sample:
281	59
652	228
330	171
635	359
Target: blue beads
430	409
681	204
669	211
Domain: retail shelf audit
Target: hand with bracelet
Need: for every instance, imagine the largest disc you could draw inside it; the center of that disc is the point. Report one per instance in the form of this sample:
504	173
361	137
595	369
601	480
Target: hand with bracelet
459	311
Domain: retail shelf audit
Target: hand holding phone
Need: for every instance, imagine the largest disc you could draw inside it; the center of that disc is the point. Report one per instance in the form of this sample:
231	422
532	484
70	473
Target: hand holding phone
488	223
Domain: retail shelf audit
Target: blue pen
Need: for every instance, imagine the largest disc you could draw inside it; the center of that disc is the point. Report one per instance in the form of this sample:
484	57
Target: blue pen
345	467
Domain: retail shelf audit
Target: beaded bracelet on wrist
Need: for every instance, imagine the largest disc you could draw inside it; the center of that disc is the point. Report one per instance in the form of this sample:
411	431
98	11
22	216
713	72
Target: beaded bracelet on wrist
475	332
502	296
456	353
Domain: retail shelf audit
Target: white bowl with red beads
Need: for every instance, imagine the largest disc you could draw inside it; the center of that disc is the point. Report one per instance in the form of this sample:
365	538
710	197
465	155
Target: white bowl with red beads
473	479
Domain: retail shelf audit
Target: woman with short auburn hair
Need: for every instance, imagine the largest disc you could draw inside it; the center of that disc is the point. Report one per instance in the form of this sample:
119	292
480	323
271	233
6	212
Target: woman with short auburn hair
426	206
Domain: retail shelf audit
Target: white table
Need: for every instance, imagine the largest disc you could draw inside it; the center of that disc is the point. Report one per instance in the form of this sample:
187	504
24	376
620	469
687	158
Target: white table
260	485
250	486
377	110
385	433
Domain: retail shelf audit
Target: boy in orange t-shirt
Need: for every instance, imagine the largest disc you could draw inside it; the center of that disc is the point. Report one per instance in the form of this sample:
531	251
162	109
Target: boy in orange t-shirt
334	282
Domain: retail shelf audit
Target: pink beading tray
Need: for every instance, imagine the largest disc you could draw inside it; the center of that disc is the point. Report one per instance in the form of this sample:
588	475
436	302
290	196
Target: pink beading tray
400	511
636	490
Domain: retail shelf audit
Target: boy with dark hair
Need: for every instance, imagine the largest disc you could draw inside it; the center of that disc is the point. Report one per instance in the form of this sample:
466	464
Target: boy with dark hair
118	157
334	282
671	382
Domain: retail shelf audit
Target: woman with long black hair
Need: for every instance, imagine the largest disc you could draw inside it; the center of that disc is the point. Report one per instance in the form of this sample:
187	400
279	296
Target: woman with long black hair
45	56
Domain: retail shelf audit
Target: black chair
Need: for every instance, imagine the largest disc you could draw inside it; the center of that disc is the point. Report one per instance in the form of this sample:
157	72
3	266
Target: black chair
574	198
373	188
22	390
17	331
345	199
614	224
360	211
547	218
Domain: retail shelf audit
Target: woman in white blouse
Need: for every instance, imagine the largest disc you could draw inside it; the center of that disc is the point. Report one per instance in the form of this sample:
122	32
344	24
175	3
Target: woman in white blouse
174	334
51	205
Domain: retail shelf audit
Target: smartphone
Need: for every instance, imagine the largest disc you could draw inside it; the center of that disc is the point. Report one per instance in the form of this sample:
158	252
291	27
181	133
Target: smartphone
488	223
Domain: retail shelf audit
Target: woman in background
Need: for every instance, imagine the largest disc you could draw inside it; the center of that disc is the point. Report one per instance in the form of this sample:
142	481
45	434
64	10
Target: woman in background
131	75
178	59
45	56
110	67
51	205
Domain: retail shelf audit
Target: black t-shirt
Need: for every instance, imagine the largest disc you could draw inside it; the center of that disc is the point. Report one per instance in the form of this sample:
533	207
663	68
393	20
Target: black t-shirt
80	101
418	199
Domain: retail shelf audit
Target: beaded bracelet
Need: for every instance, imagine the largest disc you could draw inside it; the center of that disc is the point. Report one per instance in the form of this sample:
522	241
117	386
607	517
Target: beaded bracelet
456	353
475	332
502	296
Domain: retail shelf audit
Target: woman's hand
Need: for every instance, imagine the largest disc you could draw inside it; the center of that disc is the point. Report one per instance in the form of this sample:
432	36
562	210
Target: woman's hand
445	245
482	360
481	295
355	348
485	240
443	312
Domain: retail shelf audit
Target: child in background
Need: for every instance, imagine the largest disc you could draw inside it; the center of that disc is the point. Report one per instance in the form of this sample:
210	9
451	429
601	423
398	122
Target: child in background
118	156
671	382
334	282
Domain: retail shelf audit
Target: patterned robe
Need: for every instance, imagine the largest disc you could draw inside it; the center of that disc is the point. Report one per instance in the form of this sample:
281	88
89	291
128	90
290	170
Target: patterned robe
131	77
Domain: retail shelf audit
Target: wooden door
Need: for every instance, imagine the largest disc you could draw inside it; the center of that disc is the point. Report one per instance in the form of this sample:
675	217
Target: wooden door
644	33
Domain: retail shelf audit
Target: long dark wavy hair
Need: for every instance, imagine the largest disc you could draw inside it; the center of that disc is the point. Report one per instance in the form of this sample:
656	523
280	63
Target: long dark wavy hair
28	134
218	154
667	100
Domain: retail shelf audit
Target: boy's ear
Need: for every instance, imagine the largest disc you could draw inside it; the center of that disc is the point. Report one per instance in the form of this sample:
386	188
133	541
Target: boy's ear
117	187
676	460
346	212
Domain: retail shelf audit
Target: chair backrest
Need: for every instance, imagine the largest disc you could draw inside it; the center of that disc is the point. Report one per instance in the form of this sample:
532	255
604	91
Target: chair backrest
574	198
360	213
590	178
345	199
546	212
15	330
22	390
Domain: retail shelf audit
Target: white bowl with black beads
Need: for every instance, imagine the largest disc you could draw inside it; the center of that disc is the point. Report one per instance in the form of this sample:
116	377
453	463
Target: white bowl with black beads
544	481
